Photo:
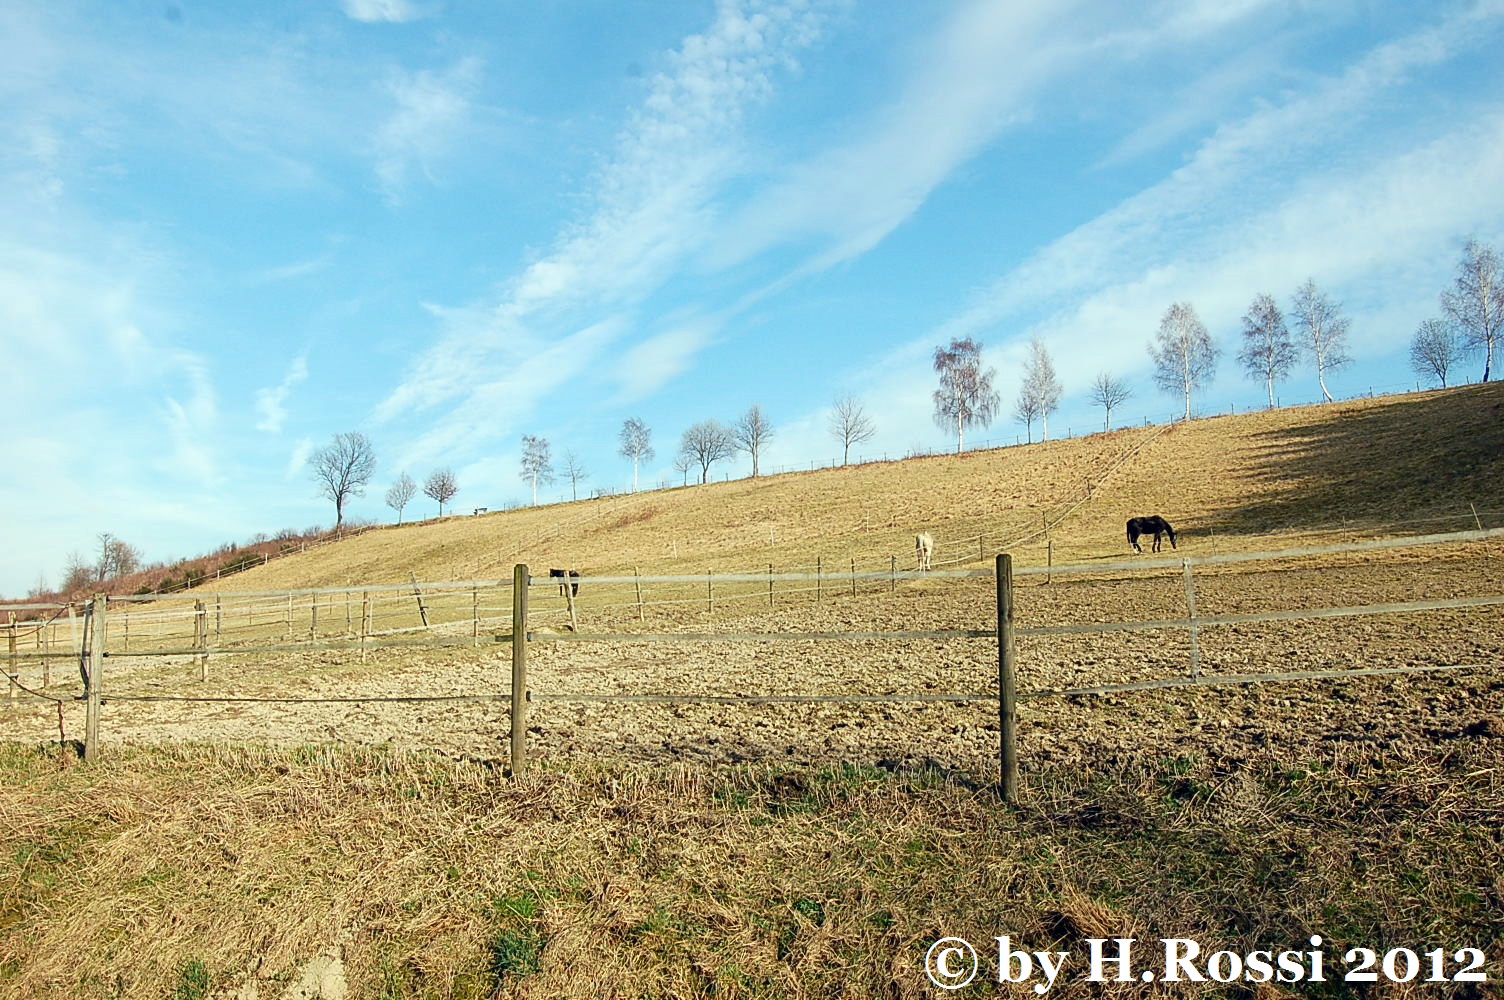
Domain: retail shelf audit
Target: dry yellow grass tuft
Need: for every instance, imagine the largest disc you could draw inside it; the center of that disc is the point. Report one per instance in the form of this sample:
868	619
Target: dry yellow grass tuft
198	872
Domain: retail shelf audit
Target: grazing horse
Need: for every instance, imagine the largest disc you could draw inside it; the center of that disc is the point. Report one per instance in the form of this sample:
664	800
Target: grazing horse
569	581
924	549
1154	525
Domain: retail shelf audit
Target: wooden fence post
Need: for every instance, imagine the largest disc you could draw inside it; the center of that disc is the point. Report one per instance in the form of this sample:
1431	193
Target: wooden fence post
218	620
1007	695
1190	605
709	592
637	580
475	616
853	576
817	579
519	667
201	638
289	617
365	622
569	585
94	627
422	611
15	669
770	585
1049	559
892	574
45	638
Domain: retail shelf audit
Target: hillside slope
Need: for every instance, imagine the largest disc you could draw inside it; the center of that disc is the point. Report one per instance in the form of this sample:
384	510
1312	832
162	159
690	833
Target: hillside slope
1396	464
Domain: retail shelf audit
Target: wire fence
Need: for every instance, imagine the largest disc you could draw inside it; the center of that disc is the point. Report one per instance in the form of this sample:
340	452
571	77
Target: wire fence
163	634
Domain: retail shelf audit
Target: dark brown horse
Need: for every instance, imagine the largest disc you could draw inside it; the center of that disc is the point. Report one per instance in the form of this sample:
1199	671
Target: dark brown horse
1154	525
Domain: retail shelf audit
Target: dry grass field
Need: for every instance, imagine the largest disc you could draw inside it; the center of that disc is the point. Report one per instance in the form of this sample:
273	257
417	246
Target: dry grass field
244	848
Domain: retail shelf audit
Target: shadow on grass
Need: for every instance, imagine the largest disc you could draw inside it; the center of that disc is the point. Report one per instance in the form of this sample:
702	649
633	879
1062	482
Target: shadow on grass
1417	459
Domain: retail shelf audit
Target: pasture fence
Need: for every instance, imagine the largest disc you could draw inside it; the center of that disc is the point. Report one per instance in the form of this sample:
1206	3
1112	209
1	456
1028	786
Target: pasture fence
467	613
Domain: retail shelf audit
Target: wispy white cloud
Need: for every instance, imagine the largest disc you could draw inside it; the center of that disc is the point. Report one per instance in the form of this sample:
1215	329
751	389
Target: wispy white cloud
651	206
292	271
521	386
1232	223
652	363
982	73
433	110
373	11
192	423
297	459
1243	166
271	403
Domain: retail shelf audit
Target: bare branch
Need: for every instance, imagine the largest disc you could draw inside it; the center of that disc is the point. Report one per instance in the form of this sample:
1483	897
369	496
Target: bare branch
850	424
751	432
1107	391
441	487
342	469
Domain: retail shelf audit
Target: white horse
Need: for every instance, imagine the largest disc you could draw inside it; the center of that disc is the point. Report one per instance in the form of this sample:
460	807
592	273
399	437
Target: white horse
924	549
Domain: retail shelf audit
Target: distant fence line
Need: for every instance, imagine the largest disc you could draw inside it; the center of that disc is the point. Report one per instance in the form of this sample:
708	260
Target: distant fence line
90	641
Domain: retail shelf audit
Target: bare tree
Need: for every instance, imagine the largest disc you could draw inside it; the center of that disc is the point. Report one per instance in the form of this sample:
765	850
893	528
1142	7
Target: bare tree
751	432
1268	352
965	397
1475	303
636	444
574	471
850	424
342	469
102	563
537	467
1322	330
1435	349
117	557
1183	353
1107	391
77	574
1026	410
1039	396
400	492
683	462
707	442
441	487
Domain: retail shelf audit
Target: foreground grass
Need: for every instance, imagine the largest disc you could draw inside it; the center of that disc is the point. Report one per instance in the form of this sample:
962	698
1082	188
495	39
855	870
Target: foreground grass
192	871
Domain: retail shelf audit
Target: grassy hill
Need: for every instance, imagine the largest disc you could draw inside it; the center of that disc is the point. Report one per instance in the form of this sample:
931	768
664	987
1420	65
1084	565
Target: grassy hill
1394	464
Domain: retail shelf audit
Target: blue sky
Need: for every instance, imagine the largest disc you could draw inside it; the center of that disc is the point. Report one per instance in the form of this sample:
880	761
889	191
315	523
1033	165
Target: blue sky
229	231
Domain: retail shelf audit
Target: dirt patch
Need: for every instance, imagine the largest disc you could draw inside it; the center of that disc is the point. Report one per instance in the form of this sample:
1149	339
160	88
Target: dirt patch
569	718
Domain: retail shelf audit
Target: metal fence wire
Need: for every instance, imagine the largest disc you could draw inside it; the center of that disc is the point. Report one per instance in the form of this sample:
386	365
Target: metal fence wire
361	620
